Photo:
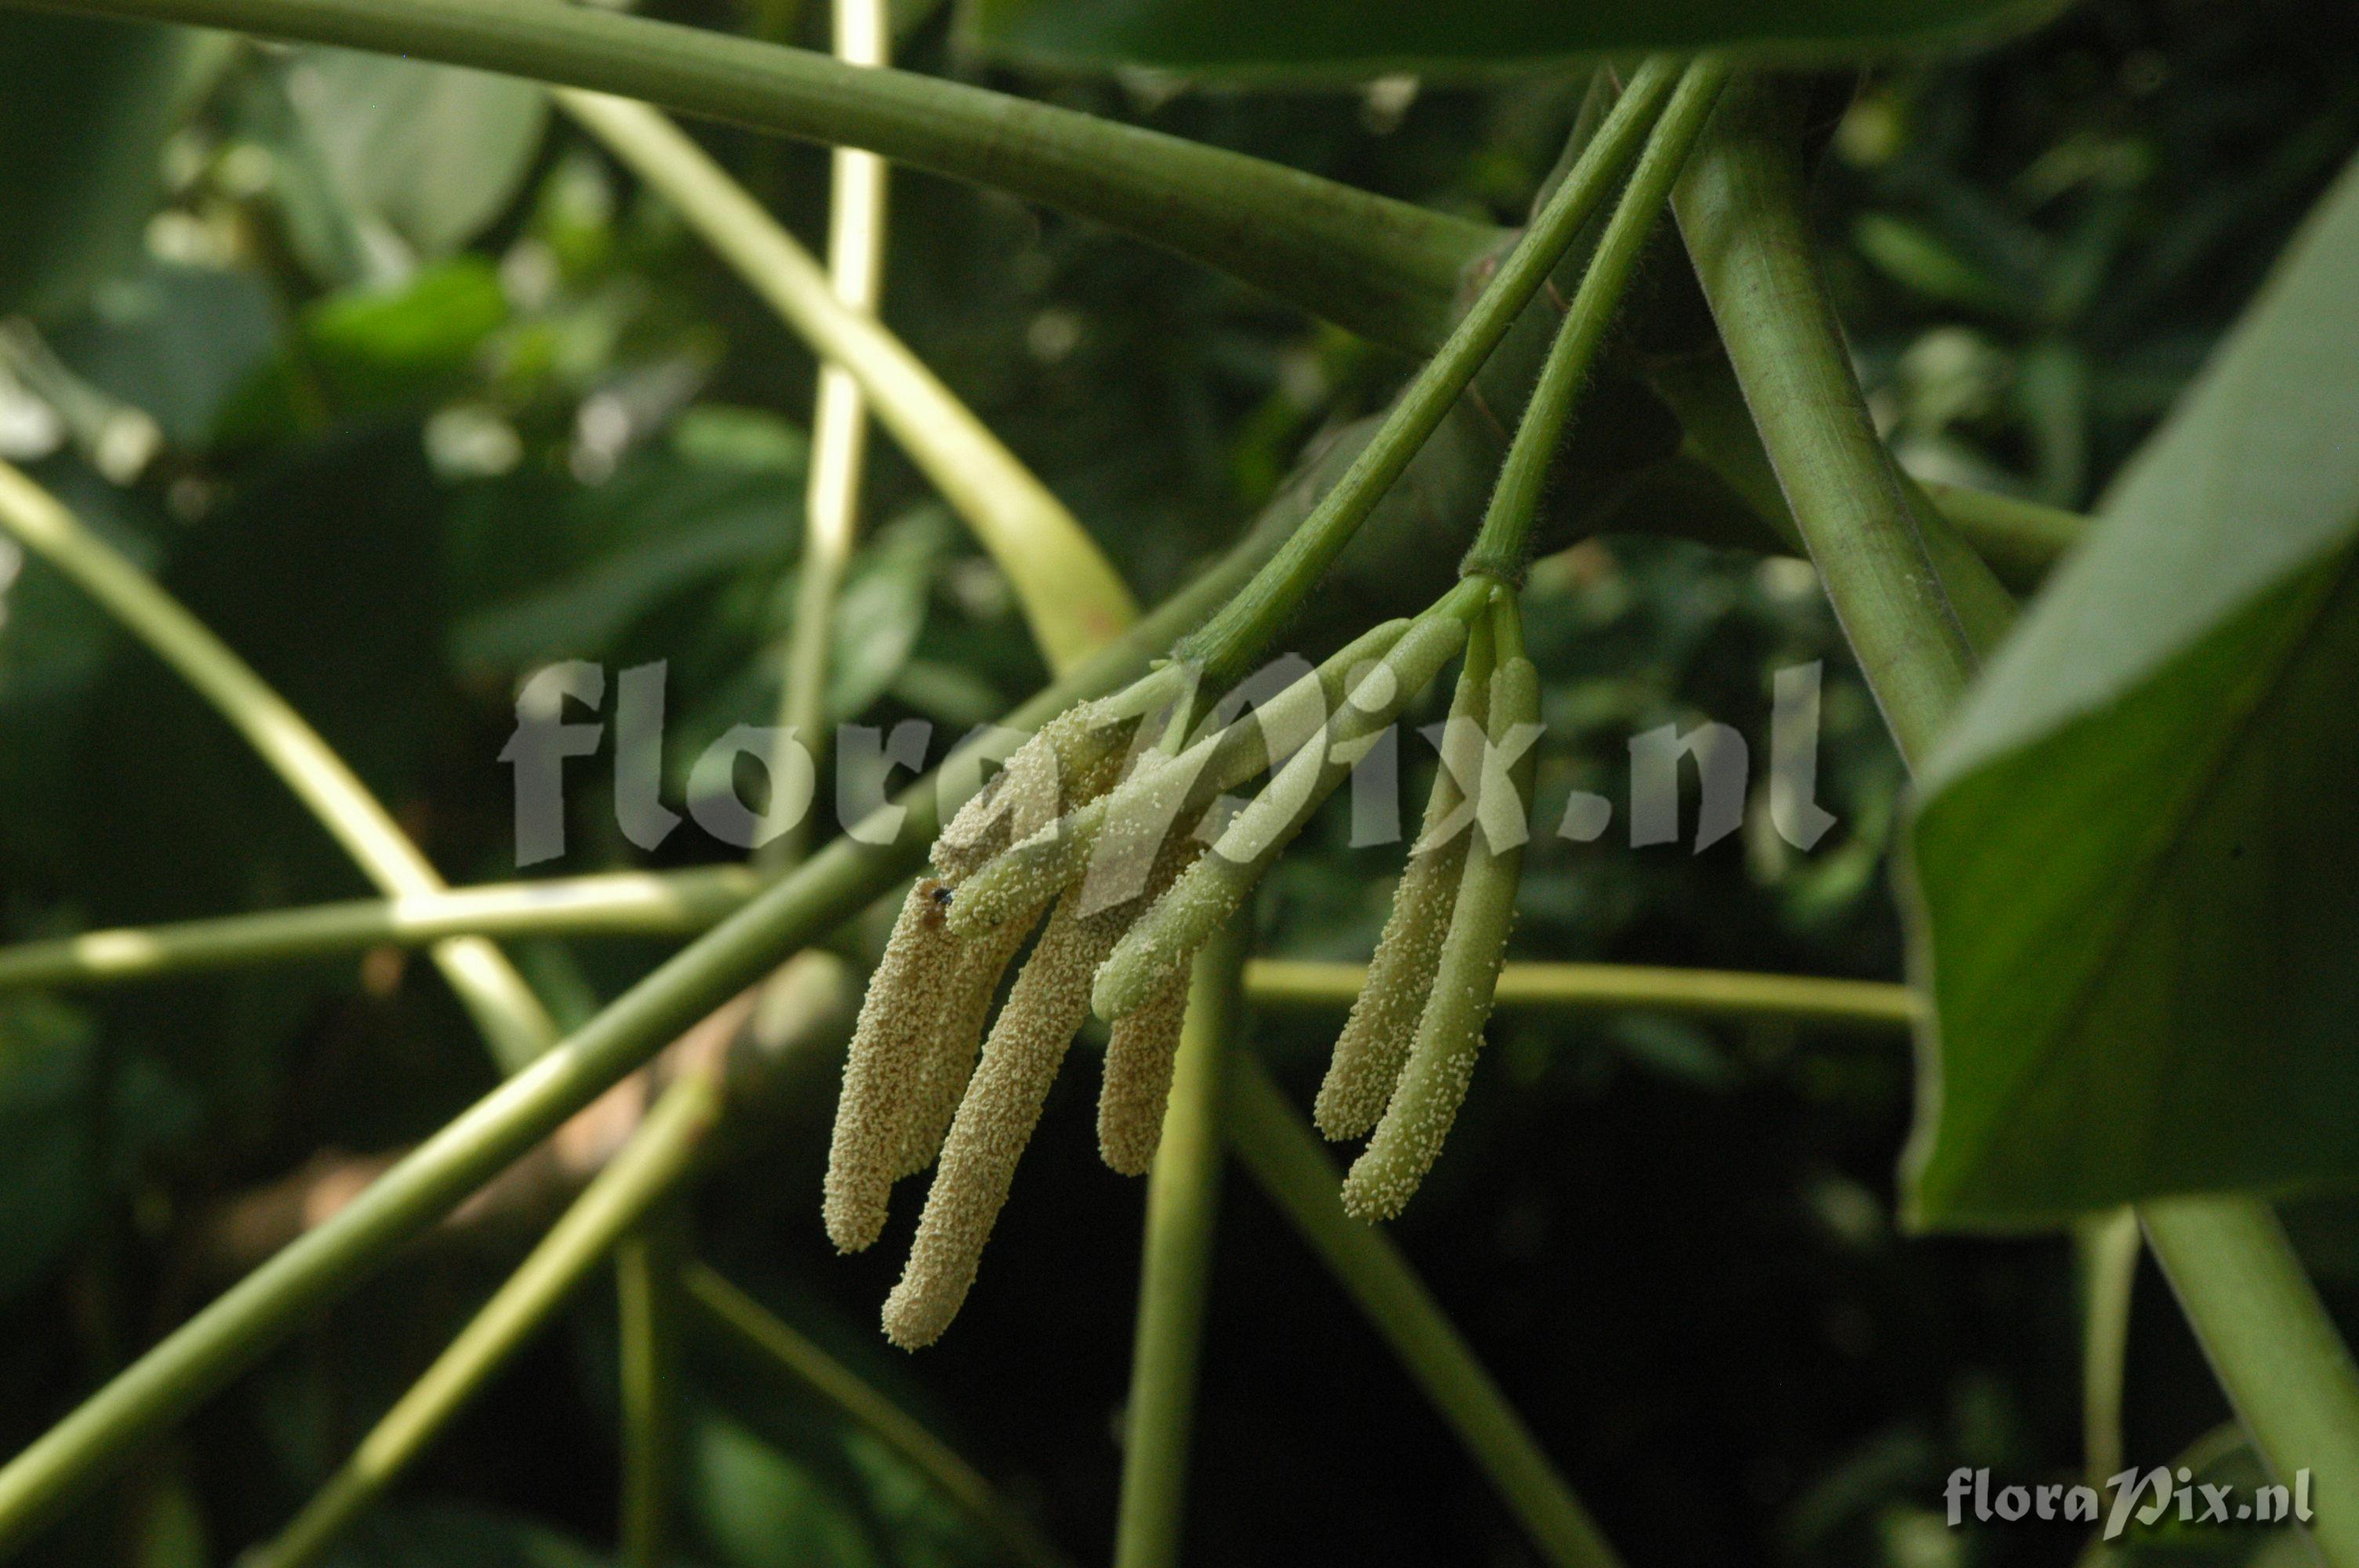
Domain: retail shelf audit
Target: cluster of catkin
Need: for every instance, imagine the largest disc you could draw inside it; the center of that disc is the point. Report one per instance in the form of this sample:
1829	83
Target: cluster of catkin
1407	1052
1116	852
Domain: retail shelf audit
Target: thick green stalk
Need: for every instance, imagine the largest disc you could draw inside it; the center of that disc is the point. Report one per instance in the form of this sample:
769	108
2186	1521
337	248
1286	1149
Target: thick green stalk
1383	268
638	904
1740	207
741	1321
1072	597
511	1019
657	1155
1224	647
1183	1194
855	275
1296	983
334	1258
2276	1353
1499	550
1285	1157
2272	1345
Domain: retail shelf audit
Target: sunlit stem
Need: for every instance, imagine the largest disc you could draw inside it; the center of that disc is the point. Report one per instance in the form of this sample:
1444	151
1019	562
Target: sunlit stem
512	1020
1071	597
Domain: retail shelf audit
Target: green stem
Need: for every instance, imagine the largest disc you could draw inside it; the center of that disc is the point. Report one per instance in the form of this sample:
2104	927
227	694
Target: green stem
511	1018
856	272
2107	1249
1499	550
2272	1345
743	1322
650	1165
1740	207
1231	641
1072	599
1293	983
1383	268
646	1299
337	1256
2276	1351
1285	1157
1183	1191
639	904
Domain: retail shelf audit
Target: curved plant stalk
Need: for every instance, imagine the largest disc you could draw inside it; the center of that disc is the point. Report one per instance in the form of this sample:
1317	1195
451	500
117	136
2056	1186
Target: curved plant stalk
1386	269
336	1257
1300	984
1183	1194
512	1020
739	1319
650	1165
856	272
636	904
1072	597
1285	1159
2276	1351
1740	211
646	1300
2107	1247
685	903
2272	1345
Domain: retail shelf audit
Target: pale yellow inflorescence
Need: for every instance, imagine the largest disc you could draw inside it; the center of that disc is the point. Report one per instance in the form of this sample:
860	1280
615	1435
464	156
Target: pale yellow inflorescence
1001	1106
1375	1043
1433	1084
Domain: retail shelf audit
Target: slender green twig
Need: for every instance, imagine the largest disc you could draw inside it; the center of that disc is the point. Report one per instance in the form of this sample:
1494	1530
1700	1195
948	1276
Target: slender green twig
1382	268
335	1256
638	904
1286	1159
2276	1351
1072	597
855	271
647	1295
511	1019
1295	983
1500	547
1183	1189
683	903
741	1321
2272	1345
1230	642
649	1165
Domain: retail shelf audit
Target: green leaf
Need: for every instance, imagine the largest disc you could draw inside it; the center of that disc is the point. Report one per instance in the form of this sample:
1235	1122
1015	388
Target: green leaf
2135	860
430	153
1339	40
87	107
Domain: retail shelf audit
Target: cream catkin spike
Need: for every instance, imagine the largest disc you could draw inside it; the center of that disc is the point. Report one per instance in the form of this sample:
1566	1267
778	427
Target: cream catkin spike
950	1060
996	1117
1375	1041
1140	1053
909	997
1161	792
1168	937
1449	1033
1044	777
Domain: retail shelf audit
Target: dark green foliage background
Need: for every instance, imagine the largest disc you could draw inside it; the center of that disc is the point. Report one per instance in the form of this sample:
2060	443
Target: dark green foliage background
381	407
